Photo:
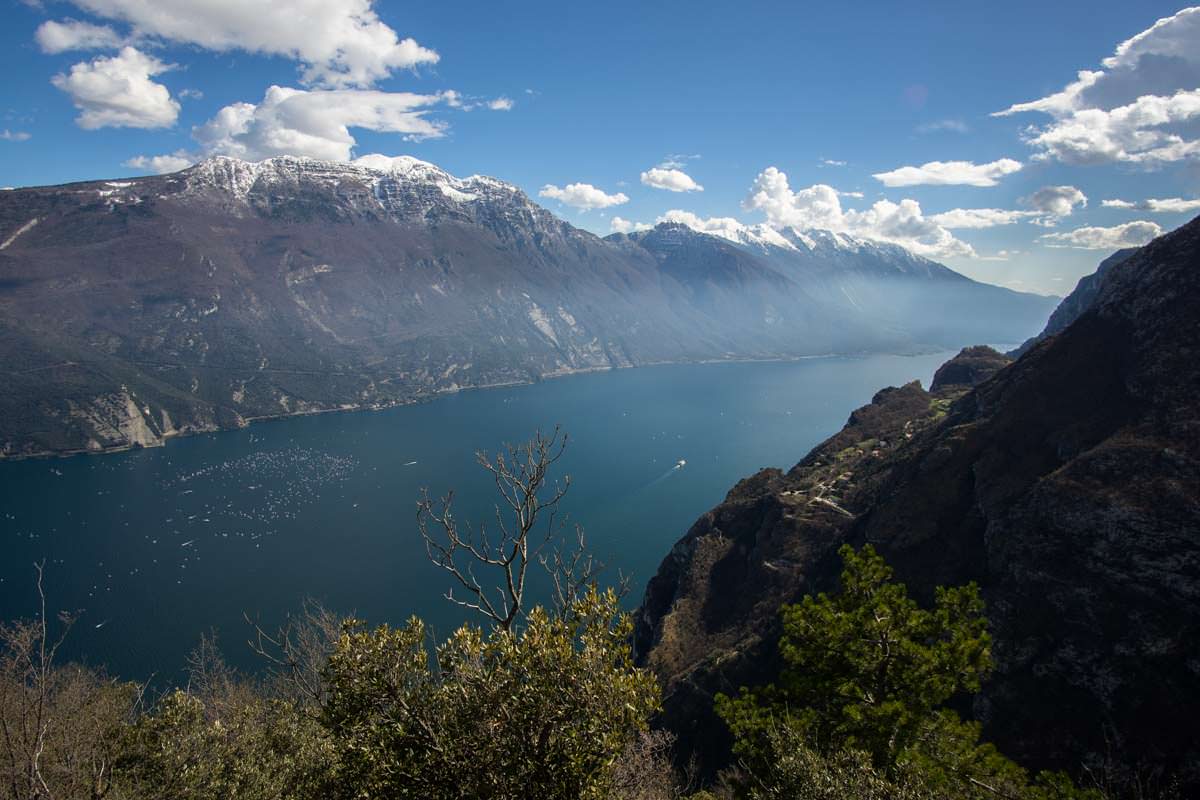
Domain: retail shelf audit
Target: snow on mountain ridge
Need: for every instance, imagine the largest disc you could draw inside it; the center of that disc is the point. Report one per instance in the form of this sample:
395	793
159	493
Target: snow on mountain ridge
238	177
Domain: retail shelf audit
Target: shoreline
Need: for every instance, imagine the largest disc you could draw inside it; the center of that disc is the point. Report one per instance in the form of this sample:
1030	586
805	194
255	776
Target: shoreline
436	395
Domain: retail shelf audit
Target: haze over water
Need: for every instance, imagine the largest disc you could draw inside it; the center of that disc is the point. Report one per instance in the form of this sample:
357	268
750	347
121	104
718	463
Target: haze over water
156	547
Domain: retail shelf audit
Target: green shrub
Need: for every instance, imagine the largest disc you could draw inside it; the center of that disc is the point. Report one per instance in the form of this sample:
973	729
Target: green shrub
542	712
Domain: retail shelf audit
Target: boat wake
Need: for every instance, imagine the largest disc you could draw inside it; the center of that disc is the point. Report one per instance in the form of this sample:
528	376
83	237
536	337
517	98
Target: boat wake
680	464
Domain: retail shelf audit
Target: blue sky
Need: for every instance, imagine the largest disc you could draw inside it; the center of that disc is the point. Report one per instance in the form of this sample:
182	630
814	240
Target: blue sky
783	112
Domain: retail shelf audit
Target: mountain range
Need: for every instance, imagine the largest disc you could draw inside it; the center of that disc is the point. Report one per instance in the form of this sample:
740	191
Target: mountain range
1065	483
136	310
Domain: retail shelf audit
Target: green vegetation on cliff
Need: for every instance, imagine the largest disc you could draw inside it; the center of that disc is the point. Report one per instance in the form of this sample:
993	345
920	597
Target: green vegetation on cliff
541	701
858	709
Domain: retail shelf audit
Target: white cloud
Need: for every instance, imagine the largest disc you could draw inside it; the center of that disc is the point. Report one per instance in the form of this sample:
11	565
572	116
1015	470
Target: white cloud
677	160
950	173
1057	201
620	225
116	92
14	136
457	100
583	196
1142	107
1001	255
1131	234
73	34
341	43
725	227
831	162
951	125
978	217
1170	205
673	180
315	123
819	206
160	165
903	224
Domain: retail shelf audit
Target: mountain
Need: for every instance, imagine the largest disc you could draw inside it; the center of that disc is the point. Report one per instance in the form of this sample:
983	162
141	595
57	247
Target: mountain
136	310
1079	300
1066	483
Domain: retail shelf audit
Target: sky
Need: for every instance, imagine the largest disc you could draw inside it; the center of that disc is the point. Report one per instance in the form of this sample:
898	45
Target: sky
1017	142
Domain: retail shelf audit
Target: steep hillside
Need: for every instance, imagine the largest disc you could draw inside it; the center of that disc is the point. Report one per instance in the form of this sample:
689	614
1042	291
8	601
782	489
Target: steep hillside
1079	300
134	310
1067	484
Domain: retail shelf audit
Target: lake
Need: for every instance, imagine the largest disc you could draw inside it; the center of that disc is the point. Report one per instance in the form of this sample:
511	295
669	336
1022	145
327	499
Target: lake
155	547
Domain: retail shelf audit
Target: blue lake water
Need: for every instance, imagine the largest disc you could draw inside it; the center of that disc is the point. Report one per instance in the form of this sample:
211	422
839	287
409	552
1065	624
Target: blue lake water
155	547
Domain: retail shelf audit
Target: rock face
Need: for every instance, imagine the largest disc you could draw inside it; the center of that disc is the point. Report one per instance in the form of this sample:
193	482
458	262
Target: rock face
1067	484
135	310
1079	300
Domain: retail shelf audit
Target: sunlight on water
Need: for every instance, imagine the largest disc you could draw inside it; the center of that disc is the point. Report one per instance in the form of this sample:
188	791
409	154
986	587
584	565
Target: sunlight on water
155	547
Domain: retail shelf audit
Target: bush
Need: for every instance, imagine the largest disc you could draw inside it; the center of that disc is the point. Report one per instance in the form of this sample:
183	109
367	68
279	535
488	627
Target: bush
543	712
857	710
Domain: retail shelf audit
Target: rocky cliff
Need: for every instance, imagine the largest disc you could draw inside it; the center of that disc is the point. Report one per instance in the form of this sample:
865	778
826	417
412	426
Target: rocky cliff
1066	483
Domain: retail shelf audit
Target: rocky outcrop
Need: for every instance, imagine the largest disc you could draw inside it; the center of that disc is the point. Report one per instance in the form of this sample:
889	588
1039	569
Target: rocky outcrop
1078	301
1067	484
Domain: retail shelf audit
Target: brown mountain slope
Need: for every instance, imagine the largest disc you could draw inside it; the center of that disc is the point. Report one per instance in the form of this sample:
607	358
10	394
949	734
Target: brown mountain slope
1067	484
135	310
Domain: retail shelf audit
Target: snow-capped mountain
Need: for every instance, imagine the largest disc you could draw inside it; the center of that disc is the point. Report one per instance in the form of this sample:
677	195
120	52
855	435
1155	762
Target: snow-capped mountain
137	309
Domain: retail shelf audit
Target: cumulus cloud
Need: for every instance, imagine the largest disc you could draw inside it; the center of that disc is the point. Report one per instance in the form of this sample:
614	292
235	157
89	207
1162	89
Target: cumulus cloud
340	43
1169	205
1131	234
950	173
978	217
819	206
621	225
1057	201
725	227
72	34
673	180
315	123
14	136
160	165
117	92
903	224
583	196
1142	107
501	104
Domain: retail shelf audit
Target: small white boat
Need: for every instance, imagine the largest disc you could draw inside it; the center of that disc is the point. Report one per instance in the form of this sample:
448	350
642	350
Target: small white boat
681	463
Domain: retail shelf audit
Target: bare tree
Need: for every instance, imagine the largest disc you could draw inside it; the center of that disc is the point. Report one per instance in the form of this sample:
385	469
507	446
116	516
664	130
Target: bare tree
57	722
26	676
298	652
528	528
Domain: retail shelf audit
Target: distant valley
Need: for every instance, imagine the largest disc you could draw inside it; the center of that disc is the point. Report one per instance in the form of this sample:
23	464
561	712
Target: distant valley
132	311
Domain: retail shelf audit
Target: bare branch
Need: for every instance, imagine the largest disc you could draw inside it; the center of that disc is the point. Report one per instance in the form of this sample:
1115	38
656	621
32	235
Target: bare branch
527	500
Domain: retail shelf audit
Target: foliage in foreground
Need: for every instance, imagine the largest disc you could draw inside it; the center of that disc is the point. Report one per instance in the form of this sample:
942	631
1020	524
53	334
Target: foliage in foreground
543	711
539	703
858	709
